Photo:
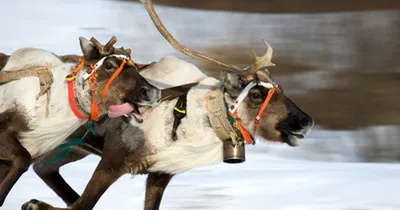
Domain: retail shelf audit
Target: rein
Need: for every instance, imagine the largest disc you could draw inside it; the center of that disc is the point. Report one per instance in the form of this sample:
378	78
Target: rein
91	77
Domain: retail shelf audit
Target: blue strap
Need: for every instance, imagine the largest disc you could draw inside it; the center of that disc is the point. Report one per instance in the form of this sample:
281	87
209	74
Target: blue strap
75	141
90	127
66	146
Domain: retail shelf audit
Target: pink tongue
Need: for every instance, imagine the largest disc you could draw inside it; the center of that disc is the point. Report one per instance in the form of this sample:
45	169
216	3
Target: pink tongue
119	110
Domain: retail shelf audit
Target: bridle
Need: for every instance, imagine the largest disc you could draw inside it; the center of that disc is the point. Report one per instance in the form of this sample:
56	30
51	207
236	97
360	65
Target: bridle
234	108
91	77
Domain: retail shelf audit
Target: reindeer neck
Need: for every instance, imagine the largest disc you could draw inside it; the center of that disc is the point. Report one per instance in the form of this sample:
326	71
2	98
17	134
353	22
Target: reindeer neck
83	93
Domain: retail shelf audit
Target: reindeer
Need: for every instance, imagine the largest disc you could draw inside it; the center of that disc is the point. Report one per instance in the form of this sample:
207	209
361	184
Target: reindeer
37	117
257	104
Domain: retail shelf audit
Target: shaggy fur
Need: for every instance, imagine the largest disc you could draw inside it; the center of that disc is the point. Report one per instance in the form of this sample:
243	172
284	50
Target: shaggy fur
45	133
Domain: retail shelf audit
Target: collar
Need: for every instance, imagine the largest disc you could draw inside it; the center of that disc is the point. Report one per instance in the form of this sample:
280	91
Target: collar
71	90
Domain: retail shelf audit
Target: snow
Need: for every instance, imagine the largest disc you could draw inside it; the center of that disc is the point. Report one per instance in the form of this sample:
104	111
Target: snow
262	182
323	173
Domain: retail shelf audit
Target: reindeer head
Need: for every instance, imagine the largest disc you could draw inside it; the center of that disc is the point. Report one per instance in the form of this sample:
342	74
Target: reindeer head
118	86
252	95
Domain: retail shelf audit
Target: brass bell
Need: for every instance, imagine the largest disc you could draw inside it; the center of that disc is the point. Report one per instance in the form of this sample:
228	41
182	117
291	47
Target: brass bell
233	153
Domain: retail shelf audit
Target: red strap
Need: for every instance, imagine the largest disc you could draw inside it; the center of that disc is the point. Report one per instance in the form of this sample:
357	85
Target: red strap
94	108
103	94
71	100
71	76
264	106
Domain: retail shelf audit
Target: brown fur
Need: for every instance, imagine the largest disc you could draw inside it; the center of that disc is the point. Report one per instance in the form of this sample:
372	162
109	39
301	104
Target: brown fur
69	58
116	159
280	118
155	187
15	158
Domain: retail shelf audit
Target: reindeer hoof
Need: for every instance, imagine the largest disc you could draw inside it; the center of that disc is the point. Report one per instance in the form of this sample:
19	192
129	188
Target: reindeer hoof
35	205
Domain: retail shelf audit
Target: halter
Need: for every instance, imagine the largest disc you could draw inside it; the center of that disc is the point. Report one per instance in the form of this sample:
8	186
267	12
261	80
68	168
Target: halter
233	109
91	77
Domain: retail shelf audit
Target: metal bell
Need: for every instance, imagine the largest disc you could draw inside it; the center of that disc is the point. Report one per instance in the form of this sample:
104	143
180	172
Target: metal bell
233	153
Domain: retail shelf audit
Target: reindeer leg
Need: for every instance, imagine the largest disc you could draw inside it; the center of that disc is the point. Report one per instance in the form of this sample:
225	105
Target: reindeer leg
106	173
11	150
5	167
49	173
155	187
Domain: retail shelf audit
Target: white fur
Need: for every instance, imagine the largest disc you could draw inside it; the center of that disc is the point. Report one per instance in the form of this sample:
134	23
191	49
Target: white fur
46	133
197	144
171	71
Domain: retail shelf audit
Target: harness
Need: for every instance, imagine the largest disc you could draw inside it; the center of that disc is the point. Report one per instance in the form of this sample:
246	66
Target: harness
180	107
166	94
91	77
94	114
45	79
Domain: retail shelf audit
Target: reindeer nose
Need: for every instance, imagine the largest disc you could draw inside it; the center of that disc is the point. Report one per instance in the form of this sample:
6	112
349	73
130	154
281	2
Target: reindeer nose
143	92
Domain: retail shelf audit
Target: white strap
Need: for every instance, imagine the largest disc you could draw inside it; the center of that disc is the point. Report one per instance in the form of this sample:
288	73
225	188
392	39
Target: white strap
100	62
245	91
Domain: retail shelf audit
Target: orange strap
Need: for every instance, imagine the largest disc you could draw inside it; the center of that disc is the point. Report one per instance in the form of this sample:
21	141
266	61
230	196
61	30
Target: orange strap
264	105
246	135
71	91
71	76
94	108
103	94
71	100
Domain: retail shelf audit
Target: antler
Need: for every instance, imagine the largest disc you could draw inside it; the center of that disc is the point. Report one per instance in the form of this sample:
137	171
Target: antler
122	51
259	63
106	49
164	32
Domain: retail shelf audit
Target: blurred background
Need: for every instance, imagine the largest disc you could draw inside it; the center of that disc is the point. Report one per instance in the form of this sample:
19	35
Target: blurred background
339	60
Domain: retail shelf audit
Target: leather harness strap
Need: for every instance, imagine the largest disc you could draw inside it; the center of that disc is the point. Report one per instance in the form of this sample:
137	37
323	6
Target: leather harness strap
218	116
177	91
44	74
179	114
180	107
45	80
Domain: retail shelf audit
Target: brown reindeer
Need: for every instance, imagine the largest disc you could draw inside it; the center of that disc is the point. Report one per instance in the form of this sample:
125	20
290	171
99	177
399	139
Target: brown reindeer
32	124
252	98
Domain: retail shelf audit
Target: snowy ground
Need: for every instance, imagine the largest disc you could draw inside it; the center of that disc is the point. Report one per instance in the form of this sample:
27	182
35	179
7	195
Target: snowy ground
274	177
262	182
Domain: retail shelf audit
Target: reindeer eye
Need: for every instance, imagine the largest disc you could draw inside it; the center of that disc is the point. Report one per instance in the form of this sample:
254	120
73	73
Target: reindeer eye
108	66
256	96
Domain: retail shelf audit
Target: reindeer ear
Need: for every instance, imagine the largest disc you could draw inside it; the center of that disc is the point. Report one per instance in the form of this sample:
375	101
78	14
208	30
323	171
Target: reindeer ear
89	50
233	82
